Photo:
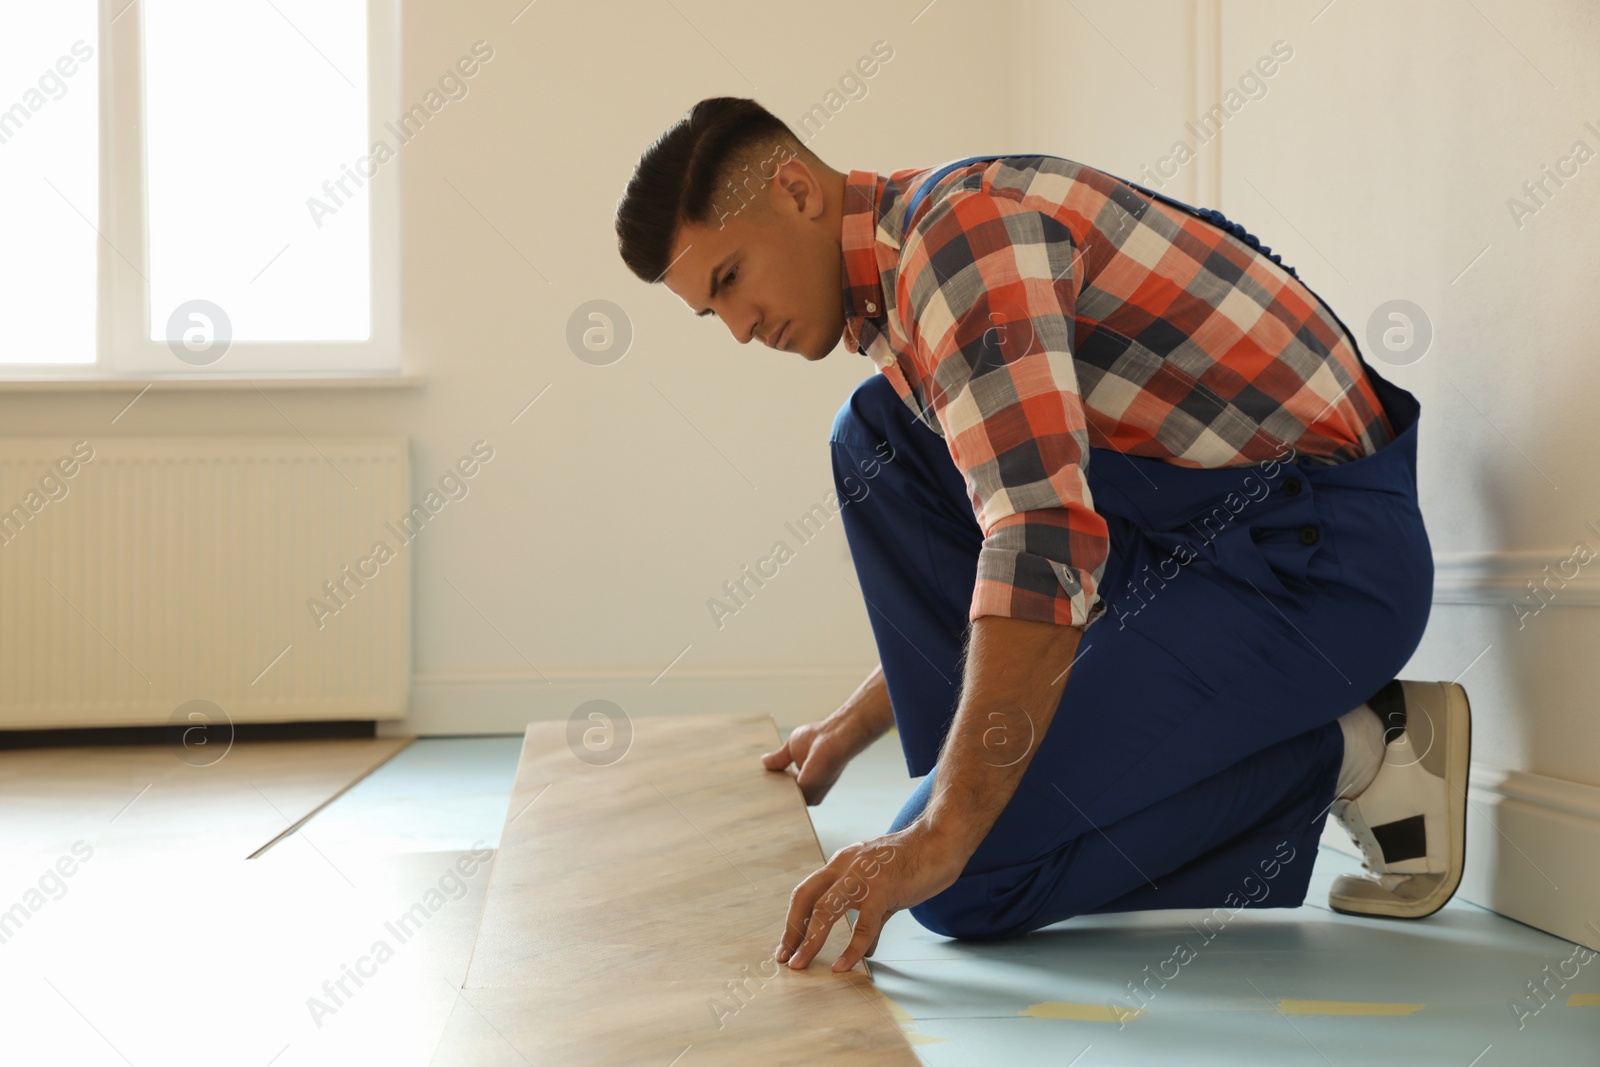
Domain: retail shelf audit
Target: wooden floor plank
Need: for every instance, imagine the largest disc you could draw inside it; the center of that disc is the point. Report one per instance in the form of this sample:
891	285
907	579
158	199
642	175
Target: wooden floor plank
634	908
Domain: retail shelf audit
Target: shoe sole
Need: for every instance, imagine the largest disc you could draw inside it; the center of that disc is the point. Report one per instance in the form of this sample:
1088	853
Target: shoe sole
1458	763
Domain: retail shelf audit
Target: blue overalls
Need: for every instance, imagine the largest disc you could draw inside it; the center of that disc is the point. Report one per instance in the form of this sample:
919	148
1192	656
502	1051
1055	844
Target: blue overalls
1192	758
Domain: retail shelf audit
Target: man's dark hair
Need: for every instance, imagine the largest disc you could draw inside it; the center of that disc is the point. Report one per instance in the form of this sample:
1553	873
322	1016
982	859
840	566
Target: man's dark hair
679	177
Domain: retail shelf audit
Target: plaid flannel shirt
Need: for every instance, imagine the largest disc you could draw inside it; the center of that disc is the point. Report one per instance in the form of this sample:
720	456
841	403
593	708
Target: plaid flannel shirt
1036	308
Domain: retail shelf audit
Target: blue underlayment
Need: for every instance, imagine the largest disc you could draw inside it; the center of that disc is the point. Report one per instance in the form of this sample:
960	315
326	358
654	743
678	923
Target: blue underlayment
1254	993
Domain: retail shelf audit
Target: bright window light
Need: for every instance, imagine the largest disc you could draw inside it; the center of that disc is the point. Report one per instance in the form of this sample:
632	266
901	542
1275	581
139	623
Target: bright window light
50	181
251	110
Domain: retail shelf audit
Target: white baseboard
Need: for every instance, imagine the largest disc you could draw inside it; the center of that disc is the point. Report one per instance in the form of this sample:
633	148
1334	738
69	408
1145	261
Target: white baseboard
484	703
1532	578
1533	851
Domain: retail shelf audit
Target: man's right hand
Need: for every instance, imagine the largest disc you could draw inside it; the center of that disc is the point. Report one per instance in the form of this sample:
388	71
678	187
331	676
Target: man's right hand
819	752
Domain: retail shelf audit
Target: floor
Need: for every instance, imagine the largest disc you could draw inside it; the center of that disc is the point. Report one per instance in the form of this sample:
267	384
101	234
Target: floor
145	959
1448	980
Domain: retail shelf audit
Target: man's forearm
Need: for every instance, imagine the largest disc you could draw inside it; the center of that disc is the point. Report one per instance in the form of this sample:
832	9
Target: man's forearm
1015	673
869	707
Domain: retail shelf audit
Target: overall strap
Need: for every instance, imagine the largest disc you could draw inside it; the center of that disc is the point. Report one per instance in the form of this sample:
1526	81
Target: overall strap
921	191
1216	218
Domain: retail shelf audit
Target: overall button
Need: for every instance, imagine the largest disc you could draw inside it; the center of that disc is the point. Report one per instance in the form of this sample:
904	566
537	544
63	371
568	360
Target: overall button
1309	535
1291	487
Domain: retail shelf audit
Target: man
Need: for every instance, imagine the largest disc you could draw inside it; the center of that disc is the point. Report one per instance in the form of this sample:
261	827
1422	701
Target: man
1142	554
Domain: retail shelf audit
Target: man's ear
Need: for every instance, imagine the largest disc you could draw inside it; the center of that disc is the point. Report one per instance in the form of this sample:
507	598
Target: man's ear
796	190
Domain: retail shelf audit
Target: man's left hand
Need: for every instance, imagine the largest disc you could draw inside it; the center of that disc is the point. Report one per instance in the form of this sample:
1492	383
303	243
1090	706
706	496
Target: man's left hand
877	878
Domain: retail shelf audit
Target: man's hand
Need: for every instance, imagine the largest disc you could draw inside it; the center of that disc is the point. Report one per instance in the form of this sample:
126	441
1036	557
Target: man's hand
820	750
877	878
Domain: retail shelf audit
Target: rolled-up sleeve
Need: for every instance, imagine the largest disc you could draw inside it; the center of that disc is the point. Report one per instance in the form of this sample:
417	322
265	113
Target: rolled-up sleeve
986	291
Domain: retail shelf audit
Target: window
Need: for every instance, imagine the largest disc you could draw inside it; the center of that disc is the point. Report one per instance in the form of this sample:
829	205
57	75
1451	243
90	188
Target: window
197	187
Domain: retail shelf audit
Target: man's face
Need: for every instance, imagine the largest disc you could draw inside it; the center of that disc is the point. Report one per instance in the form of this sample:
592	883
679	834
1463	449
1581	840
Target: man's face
770	269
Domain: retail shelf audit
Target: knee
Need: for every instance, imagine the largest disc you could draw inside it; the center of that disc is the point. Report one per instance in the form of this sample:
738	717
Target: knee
938	919
948	914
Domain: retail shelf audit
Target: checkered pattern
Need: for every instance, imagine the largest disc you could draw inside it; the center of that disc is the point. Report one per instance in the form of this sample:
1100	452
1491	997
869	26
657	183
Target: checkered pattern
1036	308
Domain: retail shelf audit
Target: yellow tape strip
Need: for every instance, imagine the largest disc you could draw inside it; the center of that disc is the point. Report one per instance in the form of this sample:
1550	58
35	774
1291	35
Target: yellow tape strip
1089	1013
1584	1000
907	1024
1345	1007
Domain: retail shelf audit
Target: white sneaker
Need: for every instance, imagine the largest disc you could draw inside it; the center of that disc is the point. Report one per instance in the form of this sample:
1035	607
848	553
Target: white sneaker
1410	822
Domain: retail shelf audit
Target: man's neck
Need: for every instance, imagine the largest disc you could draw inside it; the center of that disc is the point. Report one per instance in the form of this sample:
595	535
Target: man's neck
834	184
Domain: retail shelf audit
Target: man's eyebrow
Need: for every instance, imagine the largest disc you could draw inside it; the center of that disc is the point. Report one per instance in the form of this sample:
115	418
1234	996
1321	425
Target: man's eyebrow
715	282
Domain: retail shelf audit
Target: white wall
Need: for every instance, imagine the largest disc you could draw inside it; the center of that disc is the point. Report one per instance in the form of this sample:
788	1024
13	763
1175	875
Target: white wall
1379	162
625	498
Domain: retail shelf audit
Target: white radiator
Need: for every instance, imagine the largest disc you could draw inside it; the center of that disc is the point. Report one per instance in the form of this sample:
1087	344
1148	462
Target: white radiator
140	573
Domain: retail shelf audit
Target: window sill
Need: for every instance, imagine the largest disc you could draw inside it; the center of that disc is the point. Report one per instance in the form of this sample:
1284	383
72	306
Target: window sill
187	382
